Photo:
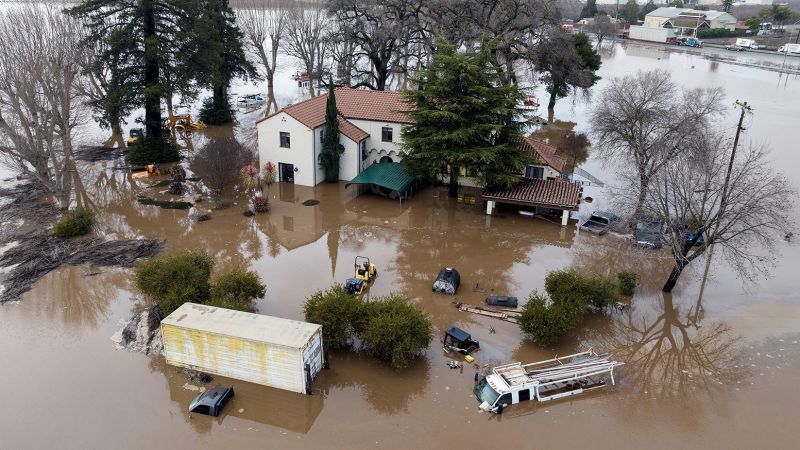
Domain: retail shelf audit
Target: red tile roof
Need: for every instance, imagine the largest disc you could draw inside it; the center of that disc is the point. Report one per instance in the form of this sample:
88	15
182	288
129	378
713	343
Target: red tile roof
556	194
379	106
546	153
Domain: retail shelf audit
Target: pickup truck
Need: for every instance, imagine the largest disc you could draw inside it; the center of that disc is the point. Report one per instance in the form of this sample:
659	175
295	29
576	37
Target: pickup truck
600	222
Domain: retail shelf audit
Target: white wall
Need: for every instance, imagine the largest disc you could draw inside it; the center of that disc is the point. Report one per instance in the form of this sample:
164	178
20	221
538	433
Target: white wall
301	152
374	140
350	161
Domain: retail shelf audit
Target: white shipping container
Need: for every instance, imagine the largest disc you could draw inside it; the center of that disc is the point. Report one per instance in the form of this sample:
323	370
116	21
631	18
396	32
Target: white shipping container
252	347
650	34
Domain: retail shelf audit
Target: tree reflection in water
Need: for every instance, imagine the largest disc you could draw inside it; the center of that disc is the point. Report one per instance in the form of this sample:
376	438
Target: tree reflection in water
673	355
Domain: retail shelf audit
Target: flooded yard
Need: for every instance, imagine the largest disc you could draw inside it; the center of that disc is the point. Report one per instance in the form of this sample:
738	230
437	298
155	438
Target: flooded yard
714	365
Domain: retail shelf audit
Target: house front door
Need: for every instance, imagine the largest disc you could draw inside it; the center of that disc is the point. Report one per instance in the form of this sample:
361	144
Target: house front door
286	172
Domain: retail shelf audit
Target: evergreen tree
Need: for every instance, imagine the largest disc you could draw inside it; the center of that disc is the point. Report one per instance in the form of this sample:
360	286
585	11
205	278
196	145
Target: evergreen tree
463	121
219	58
331	150
589	9
135	33
630	12
566	62
647	9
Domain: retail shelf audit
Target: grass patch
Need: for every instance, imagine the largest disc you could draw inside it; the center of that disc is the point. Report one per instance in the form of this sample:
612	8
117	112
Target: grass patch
166	204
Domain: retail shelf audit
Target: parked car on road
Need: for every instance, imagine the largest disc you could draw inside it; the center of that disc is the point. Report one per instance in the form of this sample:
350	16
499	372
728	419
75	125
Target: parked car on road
600	222
734	48
690	42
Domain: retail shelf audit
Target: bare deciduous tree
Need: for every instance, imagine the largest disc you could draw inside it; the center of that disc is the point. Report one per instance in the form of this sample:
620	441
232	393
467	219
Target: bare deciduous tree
219	161
39	94
742	221
602	28
307	31
644	121
264	23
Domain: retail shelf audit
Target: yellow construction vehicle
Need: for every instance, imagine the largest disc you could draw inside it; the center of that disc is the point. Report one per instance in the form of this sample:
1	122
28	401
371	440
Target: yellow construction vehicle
134	135
184	123
365	270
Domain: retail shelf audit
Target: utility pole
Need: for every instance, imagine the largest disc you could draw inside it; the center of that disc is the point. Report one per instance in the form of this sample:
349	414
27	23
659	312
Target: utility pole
724	200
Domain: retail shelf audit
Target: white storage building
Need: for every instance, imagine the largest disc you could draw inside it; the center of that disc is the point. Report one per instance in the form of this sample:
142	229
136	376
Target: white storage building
282	353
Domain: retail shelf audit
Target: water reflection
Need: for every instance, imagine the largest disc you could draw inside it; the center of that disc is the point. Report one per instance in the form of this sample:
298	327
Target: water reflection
252	402
386	390
670	355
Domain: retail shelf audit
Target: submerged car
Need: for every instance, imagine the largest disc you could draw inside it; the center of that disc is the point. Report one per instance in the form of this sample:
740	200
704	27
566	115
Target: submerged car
502	300
649	234
457	340
600	222
212	401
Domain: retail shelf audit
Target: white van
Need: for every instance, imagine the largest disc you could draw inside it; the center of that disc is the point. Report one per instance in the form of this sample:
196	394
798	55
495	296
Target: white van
790	49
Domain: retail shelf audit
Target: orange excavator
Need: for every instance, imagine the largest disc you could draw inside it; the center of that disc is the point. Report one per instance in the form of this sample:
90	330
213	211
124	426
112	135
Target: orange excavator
183	123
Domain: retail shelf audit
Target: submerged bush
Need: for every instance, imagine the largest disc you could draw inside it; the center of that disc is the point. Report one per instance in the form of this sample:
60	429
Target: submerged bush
337	311
237	289
76	222
396	330
173	280
547	323
627	282
151	150
165	204
546	320
388	328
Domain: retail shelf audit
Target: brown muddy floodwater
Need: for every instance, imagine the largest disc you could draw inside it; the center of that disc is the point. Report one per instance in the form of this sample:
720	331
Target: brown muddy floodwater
711	366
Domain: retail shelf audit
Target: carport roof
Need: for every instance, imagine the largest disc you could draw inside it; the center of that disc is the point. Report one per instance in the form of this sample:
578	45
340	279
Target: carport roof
388	175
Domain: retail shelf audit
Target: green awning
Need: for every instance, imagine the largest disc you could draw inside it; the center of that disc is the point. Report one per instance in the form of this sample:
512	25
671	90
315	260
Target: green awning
388	175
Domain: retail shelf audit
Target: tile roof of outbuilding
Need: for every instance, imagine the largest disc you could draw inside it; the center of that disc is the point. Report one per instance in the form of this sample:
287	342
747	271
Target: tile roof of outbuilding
557	194
353	104
547	153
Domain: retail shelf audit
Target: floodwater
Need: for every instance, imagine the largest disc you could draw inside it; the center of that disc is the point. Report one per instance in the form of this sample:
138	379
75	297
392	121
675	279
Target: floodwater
711	366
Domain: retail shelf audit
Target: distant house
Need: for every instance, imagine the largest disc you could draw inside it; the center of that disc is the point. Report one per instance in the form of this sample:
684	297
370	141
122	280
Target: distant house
369	125
688	21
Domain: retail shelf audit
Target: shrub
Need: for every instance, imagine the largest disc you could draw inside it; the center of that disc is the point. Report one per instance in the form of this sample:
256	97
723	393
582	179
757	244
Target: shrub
173	280
396	330
337	311
219	161
148	150
166	204
627	282
570	297
236	289
545	323
720	33
261	203
76	222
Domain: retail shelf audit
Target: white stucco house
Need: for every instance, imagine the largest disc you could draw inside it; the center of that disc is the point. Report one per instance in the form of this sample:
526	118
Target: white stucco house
369	125
687	21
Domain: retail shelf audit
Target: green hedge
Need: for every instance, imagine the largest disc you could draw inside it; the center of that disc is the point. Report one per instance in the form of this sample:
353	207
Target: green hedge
720	33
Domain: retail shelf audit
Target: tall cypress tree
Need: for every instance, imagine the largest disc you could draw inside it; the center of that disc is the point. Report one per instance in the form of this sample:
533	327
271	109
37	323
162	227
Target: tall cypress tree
331	150
219	57
463	120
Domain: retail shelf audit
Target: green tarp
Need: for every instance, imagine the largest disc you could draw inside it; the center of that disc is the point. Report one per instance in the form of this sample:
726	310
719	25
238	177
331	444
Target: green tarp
388	175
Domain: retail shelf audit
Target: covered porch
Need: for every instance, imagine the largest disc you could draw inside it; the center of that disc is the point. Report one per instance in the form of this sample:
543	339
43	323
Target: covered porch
555	194
389	179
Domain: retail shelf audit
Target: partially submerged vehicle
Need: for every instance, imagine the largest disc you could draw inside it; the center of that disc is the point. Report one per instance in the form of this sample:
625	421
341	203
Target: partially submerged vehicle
649	234
355	287
134	135
447	282
502	300
600	222
212	401
365	270
544	380
250	100
457	340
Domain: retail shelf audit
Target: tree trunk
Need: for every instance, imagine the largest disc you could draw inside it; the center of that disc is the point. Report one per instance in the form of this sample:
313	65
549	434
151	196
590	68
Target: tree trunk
644	184
673	277
552	103
452	189
152	99
169	104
